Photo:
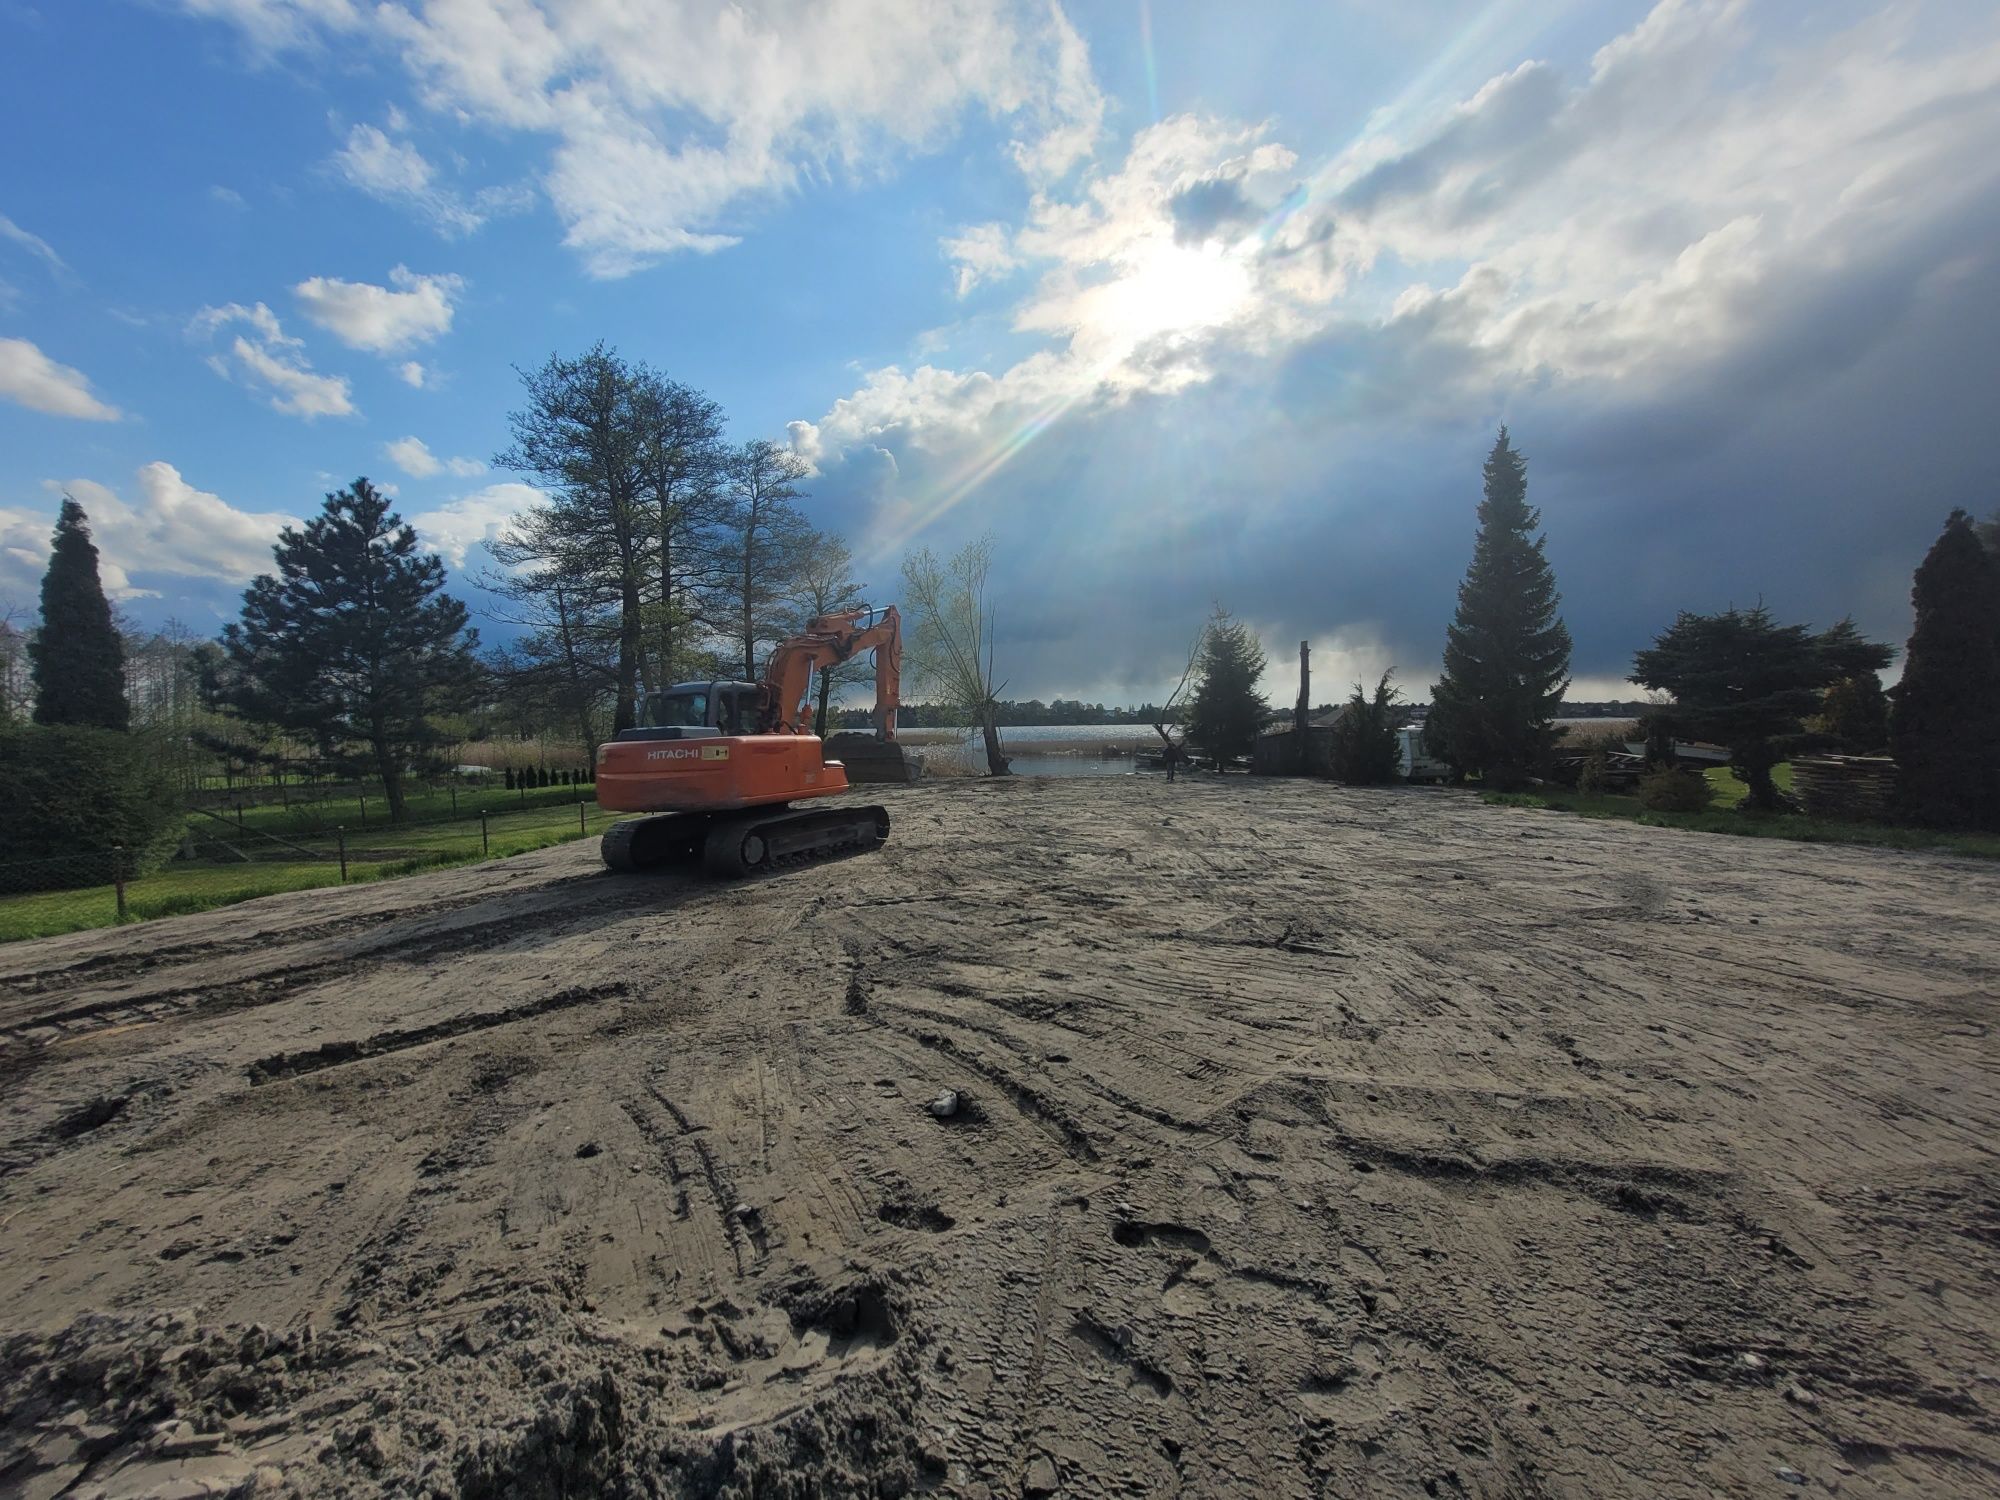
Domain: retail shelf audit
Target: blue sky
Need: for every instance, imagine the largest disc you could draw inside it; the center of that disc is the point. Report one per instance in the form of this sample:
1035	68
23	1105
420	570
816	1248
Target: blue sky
1183	303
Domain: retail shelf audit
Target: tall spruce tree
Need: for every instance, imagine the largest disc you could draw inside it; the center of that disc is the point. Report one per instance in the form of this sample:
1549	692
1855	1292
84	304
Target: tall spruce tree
77	660
1226	711
1944	725
353	643
1506	655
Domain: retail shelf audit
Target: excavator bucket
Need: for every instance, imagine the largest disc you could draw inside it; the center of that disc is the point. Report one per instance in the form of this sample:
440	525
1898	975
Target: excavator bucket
873	762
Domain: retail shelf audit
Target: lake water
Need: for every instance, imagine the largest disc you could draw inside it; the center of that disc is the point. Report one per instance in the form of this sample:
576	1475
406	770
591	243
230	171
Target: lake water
1074	749
1043	749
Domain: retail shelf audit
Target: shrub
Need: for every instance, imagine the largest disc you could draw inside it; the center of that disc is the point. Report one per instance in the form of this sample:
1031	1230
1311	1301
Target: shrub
73	791
1673	790
1590	778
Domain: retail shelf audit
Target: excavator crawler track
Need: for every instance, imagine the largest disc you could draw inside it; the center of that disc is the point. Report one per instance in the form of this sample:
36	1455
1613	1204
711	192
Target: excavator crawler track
743	843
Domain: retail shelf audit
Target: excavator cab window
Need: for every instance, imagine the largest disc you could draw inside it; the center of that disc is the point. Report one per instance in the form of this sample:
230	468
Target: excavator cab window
680	709
736	709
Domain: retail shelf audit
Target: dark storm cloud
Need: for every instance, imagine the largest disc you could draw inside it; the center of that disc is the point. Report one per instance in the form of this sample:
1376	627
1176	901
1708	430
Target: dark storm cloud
1740	308
1809	466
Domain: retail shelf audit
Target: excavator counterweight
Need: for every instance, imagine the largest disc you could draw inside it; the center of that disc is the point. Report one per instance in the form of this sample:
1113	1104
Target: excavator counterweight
717	765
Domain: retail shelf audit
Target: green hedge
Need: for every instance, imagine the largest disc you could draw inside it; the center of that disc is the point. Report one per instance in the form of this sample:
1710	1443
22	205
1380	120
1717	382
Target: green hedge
73	793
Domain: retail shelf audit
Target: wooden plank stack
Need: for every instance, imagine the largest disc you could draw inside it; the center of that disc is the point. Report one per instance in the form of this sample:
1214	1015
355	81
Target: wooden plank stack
1854	787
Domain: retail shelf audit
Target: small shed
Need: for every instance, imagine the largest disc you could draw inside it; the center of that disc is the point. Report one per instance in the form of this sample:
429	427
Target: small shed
1280	752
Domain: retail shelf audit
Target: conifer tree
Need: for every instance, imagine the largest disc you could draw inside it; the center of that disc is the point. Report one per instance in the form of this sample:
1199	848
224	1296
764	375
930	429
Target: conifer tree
1742	680
1944	726
352	643
1226	710
1506	654
77	660
1365	748
1853	711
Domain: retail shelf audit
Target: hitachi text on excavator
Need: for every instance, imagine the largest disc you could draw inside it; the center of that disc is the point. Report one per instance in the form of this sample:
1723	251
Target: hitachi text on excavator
718	765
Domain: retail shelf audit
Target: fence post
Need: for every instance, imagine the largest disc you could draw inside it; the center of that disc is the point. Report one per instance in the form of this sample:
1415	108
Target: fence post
364	808
454	799
485	844
239	815
581	826
340	832
118	876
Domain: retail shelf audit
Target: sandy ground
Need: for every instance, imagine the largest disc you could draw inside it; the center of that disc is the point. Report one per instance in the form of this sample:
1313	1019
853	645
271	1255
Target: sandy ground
1310	1142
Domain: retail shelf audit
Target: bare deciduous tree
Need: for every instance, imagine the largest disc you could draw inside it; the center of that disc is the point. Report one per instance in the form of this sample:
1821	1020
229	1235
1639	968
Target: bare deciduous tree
683	464
1170	751
766	538
950	644
823	583
578	435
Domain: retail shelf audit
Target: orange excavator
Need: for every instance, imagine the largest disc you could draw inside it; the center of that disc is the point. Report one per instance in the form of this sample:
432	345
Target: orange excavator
718	765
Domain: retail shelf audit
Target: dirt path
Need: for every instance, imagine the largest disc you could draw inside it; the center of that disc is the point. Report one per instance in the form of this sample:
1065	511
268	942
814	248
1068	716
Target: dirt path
1311	1142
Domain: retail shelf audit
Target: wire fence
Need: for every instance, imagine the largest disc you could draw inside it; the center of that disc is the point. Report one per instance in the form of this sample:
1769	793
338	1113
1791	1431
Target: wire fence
234	855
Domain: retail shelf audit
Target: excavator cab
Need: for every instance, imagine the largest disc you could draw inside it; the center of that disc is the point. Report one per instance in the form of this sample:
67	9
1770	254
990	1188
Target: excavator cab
691	707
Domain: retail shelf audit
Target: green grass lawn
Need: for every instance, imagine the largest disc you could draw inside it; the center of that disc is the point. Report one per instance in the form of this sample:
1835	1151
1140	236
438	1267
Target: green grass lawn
1727	816
1729	792
376	853
306	816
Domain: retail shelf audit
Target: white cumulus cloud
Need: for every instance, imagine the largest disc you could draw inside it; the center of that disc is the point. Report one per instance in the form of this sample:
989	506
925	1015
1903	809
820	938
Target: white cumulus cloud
666	121
414	457
412	309
395	171
270	360
169	526
472	520
37	382
983	252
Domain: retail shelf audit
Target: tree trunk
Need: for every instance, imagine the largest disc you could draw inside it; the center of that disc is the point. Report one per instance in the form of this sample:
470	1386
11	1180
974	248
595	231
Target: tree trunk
392	780
996	763
626	716
749	628
666	601
1756	773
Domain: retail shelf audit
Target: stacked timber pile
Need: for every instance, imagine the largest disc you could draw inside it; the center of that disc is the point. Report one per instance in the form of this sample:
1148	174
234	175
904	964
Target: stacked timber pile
1621	771
1845	786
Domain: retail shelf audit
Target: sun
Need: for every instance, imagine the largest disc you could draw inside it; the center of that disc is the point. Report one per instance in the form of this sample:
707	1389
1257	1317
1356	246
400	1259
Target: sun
1169	289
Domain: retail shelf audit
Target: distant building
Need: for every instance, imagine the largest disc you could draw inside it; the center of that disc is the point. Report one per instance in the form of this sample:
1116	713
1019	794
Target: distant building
1277	750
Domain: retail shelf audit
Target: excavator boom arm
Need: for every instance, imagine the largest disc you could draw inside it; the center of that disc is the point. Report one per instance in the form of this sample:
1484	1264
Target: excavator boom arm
827	642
